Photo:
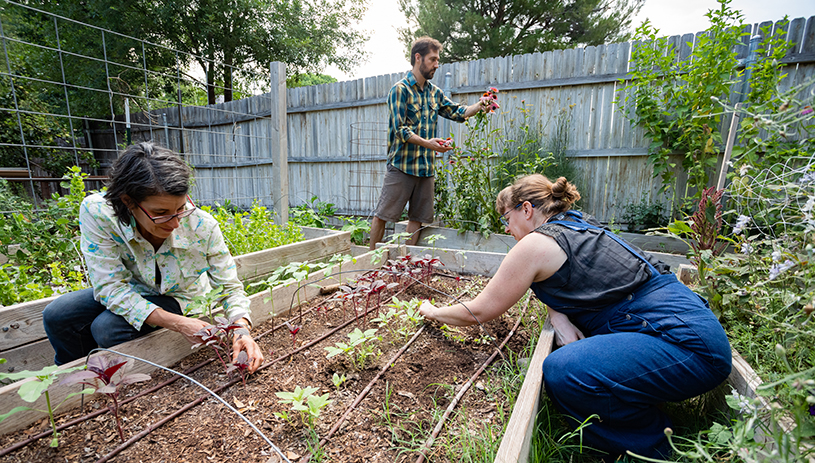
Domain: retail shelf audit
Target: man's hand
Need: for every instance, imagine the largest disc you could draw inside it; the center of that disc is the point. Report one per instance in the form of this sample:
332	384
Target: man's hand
438	144
245	342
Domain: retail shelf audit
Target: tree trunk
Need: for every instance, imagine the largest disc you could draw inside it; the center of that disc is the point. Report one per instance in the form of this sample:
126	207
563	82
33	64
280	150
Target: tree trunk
210	82
228	76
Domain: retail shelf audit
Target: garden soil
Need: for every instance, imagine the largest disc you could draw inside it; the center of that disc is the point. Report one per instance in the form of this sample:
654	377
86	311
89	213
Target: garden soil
387	426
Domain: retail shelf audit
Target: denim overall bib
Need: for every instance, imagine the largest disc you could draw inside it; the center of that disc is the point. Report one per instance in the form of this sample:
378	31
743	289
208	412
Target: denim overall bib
661	343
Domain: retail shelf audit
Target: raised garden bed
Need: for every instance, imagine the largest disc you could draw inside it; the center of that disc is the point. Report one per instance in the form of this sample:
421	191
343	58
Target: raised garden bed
25	347
419	376
670	250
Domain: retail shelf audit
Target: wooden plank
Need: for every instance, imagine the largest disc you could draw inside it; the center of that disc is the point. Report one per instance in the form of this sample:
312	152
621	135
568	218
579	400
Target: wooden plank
795	34
517	440
173	347
22	324
261	263
808	41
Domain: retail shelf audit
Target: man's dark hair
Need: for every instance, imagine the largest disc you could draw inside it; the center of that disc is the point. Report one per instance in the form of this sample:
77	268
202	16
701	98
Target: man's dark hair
423	46
144	170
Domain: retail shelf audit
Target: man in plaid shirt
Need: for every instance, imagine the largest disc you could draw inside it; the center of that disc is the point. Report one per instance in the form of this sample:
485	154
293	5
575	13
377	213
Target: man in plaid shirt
415	104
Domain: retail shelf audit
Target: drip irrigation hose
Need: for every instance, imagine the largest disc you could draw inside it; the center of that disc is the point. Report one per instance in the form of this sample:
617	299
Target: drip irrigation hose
185	408
197	401
364	393
176	377
429	443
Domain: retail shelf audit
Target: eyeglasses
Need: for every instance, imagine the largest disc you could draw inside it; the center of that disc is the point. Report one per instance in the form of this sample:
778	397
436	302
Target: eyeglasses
504	219
167	218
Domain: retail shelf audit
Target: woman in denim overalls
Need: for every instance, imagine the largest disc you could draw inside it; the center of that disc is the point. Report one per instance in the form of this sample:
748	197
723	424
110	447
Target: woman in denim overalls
632	335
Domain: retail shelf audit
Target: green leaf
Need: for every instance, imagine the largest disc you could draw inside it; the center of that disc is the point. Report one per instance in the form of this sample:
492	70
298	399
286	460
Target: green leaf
13	411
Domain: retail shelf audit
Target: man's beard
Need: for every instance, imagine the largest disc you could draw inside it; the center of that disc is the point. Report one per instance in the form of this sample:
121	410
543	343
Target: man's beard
426	73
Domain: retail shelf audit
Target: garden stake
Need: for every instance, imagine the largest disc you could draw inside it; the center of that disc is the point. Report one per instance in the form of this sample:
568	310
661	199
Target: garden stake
429	443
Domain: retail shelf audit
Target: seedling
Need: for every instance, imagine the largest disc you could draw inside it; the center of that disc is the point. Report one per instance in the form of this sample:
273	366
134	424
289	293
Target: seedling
293	330
338	380
358	349
241	365
206	304
32	390
286	275
219	336
100	375
304	401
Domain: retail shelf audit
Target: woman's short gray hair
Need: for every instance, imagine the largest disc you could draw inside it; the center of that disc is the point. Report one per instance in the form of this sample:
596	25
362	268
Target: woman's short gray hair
144	170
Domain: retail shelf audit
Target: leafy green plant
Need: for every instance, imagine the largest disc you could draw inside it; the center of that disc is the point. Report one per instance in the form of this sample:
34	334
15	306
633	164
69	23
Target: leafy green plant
358	228
206	304
251	231
488	159
30	391
401	318
305	402
676	101
645	215
359	348
338	380
315	213
293	272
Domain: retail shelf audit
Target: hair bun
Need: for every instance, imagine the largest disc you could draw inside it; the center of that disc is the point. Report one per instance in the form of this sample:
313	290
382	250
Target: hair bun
560	188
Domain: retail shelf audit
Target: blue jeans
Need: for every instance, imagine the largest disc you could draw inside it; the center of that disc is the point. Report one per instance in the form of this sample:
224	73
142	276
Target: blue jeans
76	324
661	344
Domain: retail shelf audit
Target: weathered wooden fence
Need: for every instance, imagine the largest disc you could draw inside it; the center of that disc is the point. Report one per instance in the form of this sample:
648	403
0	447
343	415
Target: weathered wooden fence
334	137
335	156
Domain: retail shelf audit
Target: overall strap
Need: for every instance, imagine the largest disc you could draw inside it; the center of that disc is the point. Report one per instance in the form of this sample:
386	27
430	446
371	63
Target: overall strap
580	225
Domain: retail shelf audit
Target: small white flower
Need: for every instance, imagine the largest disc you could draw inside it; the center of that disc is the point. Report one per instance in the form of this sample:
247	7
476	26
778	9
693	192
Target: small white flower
744	169
778	269
745	404
741	222
776	255
746	249
808	177
809	205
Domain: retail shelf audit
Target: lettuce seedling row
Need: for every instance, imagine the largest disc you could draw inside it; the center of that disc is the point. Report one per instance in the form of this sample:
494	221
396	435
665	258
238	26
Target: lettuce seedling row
416	386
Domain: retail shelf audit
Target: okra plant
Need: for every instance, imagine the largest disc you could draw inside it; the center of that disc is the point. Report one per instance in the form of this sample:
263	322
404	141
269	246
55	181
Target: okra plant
359	348
32	390
305	402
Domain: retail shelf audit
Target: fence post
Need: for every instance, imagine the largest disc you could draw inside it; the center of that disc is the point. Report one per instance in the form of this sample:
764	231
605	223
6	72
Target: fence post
278	141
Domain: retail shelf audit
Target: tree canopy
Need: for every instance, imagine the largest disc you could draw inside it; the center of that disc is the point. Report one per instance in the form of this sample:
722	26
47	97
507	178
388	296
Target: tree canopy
475	29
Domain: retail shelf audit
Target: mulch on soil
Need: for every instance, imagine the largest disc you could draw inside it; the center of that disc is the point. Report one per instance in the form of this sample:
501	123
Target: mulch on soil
416	389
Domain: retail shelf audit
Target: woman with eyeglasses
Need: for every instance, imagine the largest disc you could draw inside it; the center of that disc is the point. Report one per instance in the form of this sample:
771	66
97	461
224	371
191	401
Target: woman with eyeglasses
148	251
632	336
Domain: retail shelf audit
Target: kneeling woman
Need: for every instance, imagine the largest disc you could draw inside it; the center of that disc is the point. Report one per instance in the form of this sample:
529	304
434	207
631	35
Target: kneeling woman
648	338
149	252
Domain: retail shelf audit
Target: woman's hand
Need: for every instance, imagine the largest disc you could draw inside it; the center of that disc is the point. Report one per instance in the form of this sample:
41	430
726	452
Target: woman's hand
244	341
565	331
427	309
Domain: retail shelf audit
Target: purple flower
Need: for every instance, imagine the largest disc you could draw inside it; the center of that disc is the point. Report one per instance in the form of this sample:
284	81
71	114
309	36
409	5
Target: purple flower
778	269
807	110
742	222
812	410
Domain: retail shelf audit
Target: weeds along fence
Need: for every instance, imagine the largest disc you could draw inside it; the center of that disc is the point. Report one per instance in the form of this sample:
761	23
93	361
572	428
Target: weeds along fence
283	146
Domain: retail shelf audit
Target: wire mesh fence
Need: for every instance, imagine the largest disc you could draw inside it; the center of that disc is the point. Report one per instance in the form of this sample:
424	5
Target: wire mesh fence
75	94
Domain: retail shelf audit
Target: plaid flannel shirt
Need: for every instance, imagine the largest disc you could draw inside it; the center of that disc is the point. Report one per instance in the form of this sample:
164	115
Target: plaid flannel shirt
413	110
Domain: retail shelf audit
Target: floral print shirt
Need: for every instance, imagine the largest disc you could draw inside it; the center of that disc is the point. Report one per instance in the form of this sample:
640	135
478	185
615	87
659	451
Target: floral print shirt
122	265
